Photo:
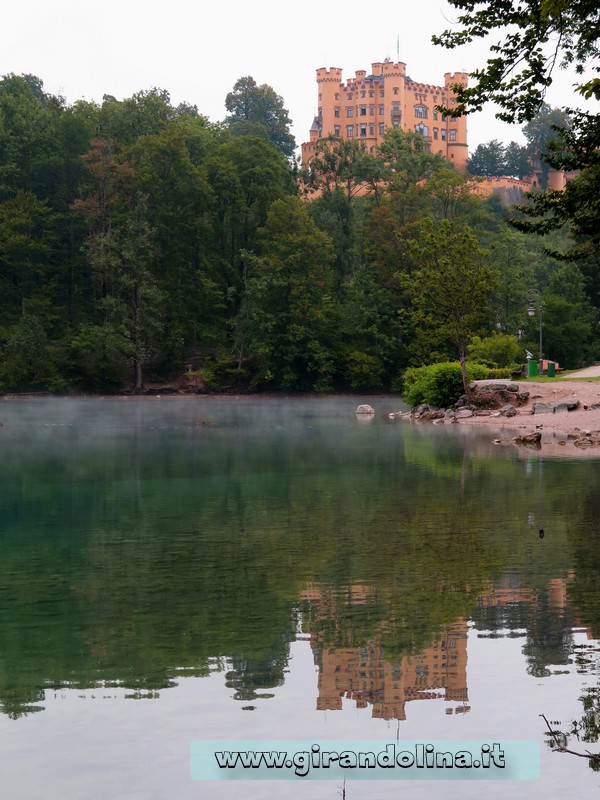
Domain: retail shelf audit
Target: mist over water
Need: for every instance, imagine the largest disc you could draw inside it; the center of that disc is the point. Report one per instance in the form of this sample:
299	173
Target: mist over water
172	568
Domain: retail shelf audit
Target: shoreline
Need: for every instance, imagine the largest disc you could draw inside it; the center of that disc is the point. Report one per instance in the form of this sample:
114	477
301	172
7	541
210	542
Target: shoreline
559	429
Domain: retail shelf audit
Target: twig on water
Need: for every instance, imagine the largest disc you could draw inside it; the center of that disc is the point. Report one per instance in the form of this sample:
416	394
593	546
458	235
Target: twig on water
562	749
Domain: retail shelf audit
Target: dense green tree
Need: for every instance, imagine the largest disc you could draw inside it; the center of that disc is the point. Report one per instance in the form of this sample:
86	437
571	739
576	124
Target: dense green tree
520	263
27	141
487	159
180	207
567	331
370	340
247	174
259	111
290	323
451	193
407	159
342	165
340	175
144	114
516	161
452	287
26	254
132	305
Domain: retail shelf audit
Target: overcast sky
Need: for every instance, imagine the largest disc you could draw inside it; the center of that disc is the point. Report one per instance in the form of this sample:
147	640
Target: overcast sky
197	51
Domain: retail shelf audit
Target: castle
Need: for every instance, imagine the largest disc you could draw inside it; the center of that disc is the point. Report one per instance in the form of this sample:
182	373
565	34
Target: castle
366	105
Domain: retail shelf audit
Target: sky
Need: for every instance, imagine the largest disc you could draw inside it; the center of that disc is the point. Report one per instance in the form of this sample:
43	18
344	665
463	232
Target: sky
197	51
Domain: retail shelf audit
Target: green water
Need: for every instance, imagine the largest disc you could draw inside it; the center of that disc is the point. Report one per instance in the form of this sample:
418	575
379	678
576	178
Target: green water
174	569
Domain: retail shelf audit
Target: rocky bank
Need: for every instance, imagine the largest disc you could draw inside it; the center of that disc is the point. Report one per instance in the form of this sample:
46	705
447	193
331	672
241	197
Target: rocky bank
552	413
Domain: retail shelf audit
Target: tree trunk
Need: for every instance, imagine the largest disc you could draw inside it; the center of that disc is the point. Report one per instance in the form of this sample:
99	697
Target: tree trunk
137	358
139	382
463	369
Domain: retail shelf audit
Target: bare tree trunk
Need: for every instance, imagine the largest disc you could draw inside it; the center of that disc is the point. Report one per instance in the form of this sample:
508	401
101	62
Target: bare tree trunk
137	358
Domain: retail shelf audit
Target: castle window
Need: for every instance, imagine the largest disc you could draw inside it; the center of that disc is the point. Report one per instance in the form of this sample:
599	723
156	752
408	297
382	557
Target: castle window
382	93
452	134
371	111
422	129
363	111
371	93
337	95
320	95
396	90
363	93
371	129
349	111
395	106
349	95
336	111
452	101
443	134
382	109
435	114
381	128
435	133
349	131
336	130
421	112
363	129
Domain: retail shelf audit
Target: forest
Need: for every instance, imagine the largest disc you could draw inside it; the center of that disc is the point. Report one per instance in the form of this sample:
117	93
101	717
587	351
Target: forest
144	246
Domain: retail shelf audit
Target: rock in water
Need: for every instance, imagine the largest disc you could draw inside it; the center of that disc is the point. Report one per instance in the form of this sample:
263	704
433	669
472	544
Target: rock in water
528	438
365	409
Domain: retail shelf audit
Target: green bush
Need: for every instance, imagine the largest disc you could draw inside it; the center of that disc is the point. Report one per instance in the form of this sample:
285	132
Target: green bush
498	350
499	374
438	384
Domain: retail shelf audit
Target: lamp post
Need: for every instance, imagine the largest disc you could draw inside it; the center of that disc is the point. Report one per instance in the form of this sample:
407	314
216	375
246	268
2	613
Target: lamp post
535	297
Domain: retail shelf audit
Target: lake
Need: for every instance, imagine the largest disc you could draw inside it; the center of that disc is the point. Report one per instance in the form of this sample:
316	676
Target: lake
179	569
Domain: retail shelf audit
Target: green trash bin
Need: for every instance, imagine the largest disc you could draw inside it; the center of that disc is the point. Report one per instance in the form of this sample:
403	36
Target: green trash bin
551	369
532	368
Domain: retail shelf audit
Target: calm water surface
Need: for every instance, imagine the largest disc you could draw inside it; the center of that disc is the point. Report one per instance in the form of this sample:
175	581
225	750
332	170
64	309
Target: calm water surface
181	569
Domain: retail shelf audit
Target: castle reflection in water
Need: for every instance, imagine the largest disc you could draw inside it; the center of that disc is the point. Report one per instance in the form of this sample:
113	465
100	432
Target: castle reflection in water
363	674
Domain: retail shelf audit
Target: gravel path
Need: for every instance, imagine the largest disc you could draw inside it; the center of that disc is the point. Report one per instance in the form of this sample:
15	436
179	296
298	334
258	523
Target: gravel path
588	372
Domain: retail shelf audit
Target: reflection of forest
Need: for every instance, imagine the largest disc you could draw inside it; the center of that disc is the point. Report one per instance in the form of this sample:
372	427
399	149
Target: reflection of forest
133	552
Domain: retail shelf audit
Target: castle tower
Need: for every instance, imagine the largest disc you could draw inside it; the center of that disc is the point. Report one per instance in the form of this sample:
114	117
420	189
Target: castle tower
456	139
328	81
